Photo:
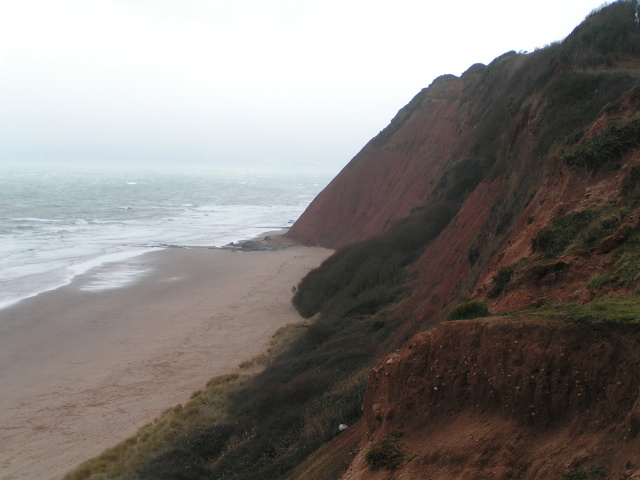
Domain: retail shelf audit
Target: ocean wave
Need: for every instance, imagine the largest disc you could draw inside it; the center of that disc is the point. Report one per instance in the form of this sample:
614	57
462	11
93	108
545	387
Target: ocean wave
36	219
57	227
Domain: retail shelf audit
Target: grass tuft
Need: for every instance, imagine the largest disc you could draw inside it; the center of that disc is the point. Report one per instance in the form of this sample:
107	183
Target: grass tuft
602	311
387	453
606	147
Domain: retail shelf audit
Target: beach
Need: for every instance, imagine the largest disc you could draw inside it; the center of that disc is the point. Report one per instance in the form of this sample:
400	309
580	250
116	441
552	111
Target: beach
82	370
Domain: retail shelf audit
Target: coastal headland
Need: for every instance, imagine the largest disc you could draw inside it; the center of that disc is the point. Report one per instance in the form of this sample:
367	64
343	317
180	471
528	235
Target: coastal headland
82	370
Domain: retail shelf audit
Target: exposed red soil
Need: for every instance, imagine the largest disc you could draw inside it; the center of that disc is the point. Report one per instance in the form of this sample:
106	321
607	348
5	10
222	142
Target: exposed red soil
445	264
384	183
562	279
494	398
503	398
332	460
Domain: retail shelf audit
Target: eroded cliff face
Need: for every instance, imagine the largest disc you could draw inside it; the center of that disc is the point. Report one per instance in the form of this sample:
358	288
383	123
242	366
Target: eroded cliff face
491	141
391	175
508	398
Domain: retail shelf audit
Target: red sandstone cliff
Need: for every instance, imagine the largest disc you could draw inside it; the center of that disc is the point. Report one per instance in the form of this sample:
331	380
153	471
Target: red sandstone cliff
505	397
510	121
508	398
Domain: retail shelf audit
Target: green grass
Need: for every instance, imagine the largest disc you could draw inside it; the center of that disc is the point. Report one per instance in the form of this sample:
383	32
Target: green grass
625	272
563	231
605	310
579	229
606	147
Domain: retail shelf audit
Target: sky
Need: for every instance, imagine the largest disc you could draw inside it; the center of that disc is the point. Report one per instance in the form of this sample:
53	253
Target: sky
279	83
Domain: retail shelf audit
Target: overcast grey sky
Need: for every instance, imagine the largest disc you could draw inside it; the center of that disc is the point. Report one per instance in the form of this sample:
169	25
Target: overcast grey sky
223	81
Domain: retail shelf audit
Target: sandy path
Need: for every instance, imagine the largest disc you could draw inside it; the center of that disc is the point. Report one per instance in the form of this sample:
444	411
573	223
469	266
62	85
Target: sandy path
81	370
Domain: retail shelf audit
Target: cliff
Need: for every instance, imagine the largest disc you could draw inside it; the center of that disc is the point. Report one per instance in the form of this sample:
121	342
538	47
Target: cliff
496	141
540	154
480	316
509	120
507	398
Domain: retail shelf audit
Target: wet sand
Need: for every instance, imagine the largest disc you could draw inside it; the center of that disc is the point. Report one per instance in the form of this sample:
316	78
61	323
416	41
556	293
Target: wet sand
82	370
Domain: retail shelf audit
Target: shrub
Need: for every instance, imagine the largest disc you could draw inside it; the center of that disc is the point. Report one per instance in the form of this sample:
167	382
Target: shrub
608	34
386	453
573	100
606	147
184	460
602	311
469	310
501	280
554	239
462	178
626	269
343	404
604	225
361	278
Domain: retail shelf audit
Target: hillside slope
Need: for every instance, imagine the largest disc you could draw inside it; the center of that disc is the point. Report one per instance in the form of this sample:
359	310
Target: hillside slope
507	398
505	120
541	153
493	140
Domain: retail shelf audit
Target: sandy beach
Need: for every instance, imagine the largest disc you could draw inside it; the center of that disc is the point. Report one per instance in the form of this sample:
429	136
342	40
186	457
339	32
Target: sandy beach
82	370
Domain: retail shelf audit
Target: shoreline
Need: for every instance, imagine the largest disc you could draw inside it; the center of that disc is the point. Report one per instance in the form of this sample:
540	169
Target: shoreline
266	241
84	370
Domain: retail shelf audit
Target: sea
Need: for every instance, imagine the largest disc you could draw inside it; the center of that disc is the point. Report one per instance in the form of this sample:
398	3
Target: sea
59	221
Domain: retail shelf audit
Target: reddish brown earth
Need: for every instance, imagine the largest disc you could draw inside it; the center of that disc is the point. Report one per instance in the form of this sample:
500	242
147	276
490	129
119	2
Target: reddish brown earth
505	398
497	398
383	183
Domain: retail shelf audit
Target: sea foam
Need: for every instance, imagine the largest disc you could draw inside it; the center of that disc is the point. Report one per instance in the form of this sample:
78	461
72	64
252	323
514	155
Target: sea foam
58	224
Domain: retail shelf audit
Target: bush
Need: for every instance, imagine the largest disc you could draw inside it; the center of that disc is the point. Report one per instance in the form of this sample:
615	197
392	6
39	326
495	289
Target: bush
501	280
604	225
462	178
361	278
607	35
469	310
554	239
606	147
386	453
625	272
184	461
